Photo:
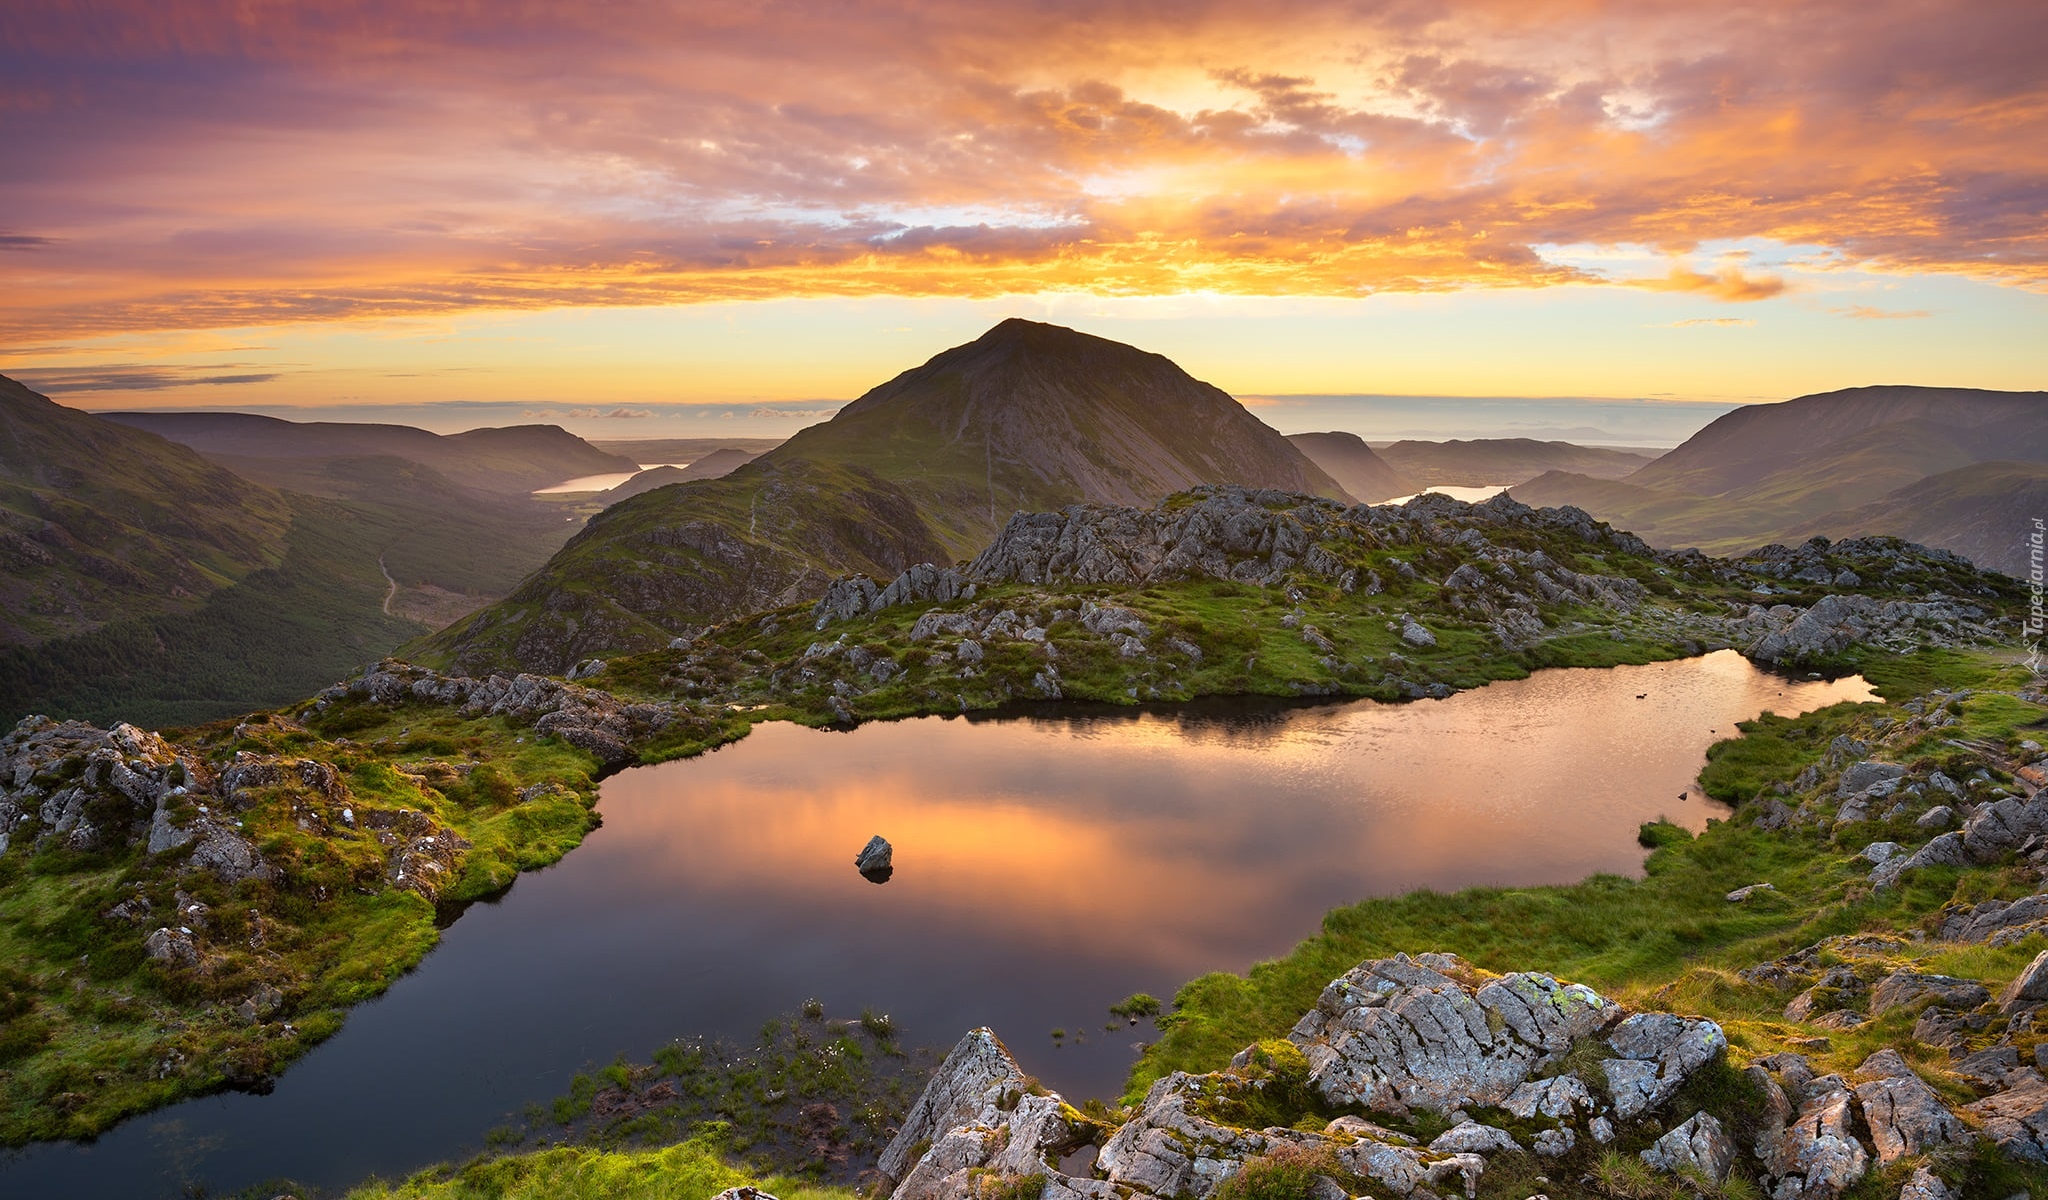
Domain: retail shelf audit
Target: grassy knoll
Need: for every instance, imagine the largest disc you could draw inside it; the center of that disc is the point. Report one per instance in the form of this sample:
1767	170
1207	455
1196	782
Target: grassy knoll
693	1170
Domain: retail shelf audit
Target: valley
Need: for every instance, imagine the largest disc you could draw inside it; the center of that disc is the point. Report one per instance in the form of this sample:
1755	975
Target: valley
193	918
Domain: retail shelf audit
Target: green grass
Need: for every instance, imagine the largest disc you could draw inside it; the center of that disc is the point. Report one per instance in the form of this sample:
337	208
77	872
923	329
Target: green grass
696	1169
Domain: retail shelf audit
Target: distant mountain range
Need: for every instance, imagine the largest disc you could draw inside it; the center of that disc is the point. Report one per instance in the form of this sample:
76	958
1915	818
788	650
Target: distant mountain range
924	468
715	465
149	581
516	459
1486	462
1958	468
1354	466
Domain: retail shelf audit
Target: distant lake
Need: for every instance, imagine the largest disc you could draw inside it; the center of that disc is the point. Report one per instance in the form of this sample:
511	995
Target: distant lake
598	483
1048	863
1470	495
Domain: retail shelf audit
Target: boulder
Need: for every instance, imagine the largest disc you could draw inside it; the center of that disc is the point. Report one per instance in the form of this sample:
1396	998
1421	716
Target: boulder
876	860
1395	1033
1470	1137
1654	1055
172	947
2029	988
2016	1121
1925	1185
1817	1155
1905	1116
1699	1144
1859	778
978	1065
1903	989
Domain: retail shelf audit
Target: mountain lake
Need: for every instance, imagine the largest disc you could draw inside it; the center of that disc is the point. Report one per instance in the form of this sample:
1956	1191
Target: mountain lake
1048	862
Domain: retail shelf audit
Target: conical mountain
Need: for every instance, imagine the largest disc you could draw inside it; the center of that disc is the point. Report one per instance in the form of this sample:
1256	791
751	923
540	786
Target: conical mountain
924	468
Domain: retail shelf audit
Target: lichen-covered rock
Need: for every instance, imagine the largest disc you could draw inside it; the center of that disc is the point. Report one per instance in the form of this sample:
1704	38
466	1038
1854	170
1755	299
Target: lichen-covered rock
2016	1121
1817	1154
1395	1033
979	1063
1654	1055
1904	989
2029	987
1904	1115
173	947
1925	1185
1999	922
1700	1144
1470	1137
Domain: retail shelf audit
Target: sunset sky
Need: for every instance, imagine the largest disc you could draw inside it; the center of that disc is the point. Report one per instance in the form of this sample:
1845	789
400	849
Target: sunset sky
511	207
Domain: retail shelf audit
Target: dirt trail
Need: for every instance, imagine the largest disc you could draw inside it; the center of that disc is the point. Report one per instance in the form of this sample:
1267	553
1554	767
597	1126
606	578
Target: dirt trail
390	593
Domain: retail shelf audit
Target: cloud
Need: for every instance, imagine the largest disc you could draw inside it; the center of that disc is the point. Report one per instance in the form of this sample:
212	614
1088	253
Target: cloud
1864	312
131	378
1729	283
217	165
780	413
1720	322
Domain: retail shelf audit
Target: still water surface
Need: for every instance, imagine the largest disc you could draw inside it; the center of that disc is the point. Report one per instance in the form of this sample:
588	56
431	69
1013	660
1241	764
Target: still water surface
1047	865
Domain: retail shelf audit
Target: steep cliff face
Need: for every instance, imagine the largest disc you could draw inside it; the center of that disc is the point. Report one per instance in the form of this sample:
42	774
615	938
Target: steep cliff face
925	468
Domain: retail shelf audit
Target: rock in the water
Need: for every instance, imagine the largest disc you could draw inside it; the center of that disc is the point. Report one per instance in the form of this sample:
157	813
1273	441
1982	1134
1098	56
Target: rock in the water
876	860
1700	1143
1905	1116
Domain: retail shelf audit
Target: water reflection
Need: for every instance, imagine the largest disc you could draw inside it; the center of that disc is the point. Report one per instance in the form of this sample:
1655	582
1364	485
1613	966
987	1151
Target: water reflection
1044	868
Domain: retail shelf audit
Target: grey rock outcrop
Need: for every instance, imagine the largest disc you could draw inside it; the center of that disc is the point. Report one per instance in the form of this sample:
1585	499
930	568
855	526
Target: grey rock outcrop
978	1066
1700	1144
1398	1033
1904	1115
2016	1121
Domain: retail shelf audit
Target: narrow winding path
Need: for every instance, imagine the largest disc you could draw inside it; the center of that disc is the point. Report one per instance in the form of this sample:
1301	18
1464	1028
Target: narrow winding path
390	593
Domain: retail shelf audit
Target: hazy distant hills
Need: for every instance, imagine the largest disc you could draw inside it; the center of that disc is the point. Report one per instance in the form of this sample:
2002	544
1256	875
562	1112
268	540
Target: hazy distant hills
1942	466
681	449
924	468
1354	466
715	465
516	459
100	522
1485	462
147	582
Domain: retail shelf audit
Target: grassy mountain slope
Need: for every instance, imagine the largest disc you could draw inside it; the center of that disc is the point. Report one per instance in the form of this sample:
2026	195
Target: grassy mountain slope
1742	447
924	468
1354	466
99	522
321	611
515	459
1483	462
1984	512
1842	462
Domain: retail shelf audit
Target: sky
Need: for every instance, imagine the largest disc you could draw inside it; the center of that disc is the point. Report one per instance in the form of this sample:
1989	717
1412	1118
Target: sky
652	217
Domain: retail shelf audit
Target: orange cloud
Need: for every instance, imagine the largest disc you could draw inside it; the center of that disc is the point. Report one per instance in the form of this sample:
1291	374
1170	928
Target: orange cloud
215	163
1729	283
